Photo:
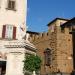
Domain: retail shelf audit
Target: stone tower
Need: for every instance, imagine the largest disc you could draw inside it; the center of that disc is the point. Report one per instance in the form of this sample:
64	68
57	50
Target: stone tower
56	47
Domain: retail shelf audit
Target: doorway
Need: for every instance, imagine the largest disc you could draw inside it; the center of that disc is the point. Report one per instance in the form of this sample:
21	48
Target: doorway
2	67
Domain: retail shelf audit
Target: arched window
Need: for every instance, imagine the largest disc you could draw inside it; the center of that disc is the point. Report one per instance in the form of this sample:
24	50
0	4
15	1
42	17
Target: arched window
47	54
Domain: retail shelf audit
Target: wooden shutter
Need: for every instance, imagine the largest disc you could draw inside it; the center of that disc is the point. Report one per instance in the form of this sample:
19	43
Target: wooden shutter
9	4
3	31
14	32
13	4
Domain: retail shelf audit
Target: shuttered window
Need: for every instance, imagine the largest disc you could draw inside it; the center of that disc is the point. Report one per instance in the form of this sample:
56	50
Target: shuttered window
9	32
11	4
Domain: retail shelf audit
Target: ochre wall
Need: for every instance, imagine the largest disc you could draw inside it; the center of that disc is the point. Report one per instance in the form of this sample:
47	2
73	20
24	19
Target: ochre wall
60	44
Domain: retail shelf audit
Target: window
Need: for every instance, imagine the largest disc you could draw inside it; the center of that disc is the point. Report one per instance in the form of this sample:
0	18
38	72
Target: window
47	34
62	29
70	29
11	5
47	54
9	32
52	28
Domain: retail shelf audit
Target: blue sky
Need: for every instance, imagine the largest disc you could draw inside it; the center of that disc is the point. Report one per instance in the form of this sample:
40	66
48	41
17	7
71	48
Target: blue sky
41	12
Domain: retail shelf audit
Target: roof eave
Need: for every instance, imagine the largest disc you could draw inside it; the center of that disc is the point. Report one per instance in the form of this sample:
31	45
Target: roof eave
55	20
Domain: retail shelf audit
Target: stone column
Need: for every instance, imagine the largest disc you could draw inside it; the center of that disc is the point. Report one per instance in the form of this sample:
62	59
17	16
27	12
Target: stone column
15	64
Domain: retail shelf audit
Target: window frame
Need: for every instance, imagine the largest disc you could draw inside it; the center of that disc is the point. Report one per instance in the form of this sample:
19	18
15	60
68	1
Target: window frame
6	32
9	32
11	6
47	54
62	30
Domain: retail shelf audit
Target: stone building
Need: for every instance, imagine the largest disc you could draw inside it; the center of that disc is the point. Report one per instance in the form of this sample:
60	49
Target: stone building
56	46
12	30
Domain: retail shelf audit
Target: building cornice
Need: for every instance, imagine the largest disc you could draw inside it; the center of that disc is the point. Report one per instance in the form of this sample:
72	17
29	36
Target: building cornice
21	44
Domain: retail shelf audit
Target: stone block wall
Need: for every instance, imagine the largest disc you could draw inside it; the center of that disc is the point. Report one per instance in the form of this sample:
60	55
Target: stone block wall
60	43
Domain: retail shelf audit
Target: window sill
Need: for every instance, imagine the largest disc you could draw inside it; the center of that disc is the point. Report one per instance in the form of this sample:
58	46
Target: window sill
7	39
11	9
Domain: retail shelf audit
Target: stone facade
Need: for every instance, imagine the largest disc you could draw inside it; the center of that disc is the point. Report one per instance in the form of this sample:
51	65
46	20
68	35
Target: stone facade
12	30
59	40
